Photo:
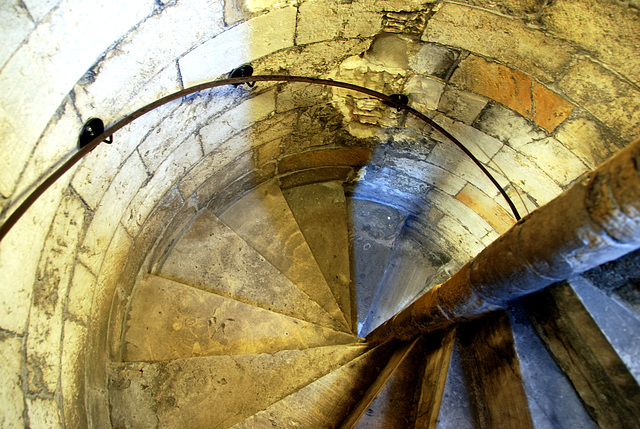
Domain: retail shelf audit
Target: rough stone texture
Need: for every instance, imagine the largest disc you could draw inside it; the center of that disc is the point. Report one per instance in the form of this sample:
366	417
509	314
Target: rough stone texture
549	108
49	296
424	92
433	59
531	51
264	220
524	8
607	28
17	24
169	320
81	293
588	140
316	175
11	396
404	22
553	401
507	126
602	93
27	75
238	10
338	21
72	364
487	207
229	388
482	146
321	212
226	265
455	409
38	9
239	45
461	105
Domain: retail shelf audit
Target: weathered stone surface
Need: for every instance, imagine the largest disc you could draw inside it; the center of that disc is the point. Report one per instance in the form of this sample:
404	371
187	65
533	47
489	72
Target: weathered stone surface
43	346
338	20
263	219
549	108
321	212
609	29
461	105
27	75
523	8
322	158
432	59
169	320
452	206
410	267
502	84
81	293
211	256
38	9
17	24
404	22
487	207
482	146
602	93
239	45
510	41
463	244
552	399
218	390
128	180
11	396
424	92
455	408
238	10
373	229
588	140
43	412
295	95
315	175
556	160
507	126
325	402
72	363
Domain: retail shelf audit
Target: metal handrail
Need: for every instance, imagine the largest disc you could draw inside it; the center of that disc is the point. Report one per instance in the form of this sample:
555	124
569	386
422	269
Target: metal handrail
51	178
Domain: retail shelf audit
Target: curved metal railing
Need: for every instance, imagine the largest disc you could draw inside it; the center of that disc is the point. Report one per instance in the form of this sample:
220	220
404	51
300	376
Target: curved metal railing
50	179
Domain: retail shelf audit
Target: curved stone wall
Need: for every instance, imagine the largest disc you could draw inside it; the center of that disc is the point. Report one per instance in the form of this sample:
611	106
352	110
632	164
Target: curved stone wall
539	93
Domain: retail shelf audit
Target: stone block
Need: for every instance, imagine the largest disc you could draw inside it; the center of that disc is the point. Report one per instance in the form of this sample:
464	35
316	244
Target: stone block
389	51
433	59
502	84
456	209
72	375
27	75
404	22
43	413
20	253
324	158
481	145
239	10
510	41
424	92
460	105
428	173
588	140
527	176
239	45
106	219
550	109
316	175
520	8
38	9
609	29
295	95
172	168
463	244
141	58
81	293
269	152
11	396
556	160
507	126
234	188
17	24
491	211
49	296
98	409
608	98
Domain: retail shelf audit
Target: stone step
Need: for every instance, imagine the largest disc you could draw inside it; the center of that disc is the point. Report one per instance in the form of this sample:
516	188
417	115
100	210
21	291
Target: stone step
324	403
263	219
373	228
211	256
395	405
411	266
215	391
170	320
321	212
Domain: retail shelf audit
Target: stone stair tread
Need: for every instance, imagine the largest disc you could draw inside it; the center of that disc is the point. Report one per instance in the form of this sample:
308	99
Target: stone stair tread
321	212
170	320
263	219
411	265
373	228
394	406
213	257
324	403
215	391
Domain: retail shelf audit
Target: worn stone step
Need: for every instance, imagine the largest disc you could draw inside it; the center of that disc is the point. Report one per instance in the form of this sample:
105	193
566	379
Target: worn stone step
411	267
170	320
215	391
373	228
211	256
263	219
395	405
321	212
455	410
324	403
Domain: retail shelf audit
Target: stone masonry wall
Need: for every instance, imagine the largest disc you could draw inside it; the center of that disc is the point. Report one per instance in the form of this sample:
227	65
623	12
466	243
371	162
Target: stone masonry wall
540	93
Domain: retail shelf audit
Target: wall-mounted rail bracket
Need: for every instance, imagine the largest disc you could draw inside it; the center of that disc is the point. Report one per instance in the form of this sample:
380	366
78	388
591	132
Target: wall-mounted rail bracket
92	128
400	98
243	71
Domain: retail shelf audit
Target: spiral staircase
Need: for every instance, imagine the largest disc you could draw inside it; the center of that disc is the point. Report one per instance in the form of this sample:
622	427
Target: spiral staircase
255	318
